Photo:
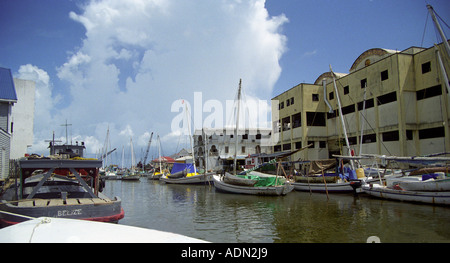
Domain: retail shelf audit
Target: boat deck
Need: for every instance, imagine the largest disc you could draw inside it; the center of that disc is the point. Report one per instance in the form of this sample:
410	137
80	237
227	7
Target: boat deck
60	202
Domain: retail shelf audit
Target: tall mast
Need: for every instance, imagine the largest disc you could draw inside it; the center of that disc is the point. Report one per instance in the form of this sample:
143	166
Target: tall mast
190	136
342	116
237	126
438	26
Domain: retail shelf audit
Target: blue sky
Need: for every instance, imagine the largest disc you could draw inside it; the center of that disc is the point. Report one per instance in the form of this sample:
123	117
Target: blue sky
123	64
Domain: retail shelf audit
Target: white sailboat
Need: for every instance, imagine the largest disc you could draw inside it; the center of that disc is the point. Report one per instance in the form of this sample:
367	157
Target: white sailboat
131	175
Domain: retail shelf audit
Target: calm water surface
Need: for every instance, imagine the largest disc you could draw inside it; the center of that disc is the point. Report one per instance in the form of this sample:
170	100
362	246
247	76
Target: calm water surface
201	212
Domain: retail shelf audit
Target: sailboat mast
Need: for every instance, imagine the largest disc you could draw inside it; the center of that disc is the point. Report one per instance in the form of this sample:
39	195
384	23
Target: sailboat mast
438	26
341	115
237	126
190	136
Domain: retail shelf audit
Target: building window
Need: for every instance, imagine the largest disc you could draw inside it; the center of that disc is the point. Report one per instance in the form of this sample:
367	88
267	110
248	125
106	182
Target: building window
292	101
286	147
297	120
333	114
352	140
315	119
346	90
409	135
384	75
331	95
258	136
315	97
286	122
369	104
348	109
369	138
387	98
298	145
277	148
281	105
363	83
431	133
429	92
226	149
322	144
390	136
245	137
288	102
426	67
243	149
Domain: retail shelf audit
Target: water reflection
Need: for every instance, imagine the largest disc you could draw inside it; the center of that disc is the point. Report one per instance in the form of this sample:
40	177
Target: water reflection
201	212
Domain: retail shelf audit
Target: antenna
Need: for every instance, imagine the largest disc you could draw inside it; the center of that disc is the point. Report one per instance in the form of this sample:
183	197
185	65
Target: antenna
67	140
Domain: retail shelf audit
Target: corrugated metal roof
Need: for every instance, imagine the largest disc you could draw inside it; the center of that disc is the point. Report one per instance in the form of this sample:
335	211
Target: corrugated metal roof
7	89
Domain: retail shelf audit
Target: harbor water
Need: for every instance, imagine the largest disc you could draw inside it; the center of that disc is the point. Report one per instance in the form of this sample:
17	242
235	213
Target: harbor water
200	211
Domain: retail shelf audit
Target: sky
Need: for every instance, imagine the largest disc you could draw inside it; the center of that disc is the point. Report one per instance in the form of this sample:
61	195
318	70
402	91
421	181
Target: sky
134	66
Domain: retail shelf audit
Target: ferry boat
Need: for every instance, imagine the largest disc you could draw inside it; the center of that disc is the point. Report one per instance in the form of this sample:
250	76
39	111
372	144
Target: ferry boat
63	185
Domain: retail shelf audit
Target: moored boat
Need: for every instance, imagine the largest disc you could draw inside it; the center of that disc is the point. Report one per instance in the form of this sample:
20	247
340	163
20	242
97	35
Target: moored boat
278	187
429	197
64	185
61	190
185	173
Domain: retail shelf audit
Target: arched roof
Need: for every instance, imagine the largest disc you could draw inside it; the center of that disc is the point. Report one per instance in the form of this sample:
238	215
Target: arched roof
327	75
370	56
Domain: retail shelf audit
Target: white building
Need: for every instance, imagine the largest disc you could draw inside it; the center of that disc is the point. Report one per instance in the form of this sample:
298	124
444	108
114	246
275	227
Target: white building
23	118
220	144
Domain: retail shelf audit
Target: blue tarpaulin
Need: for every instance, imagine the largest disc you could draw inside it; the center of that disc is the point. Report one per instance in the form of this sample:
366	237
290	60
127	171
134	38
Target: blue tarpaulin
178	167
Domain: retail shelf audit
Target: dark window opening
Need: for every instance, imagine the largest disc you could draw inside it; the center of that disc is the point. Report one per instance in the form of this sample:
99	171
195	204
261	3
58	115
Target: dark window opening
409	135
363	83
387	98
429	92
390	136
277	148
298	145
368	138
315	97
369	104
352	140
348	109
322	144
346	90
286	147
426	67
297	120
331	95
315	119
384	75
334	114
432	133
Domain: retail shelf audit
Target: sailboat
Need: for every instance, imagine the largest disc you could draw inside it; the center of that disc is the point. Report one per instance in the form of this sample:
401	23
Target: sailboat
131	175
158	174
251	182
186	173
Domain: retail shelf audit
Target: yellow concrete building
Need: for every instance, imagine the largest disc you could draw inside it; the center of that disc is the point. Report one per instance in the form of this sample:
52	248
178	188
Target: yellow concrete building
406	110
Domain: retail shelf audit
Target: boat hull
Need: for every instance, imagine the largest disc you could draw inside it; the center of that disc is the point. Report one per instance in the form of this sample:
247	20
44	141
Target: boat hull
94	209
267	190
318	187
131	177
196	179
441	198
426	186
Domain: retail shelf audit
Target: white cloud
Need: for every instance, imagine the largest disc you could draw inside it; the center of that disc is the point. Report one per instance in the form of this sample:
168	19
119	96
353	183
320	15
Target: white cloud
139	56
